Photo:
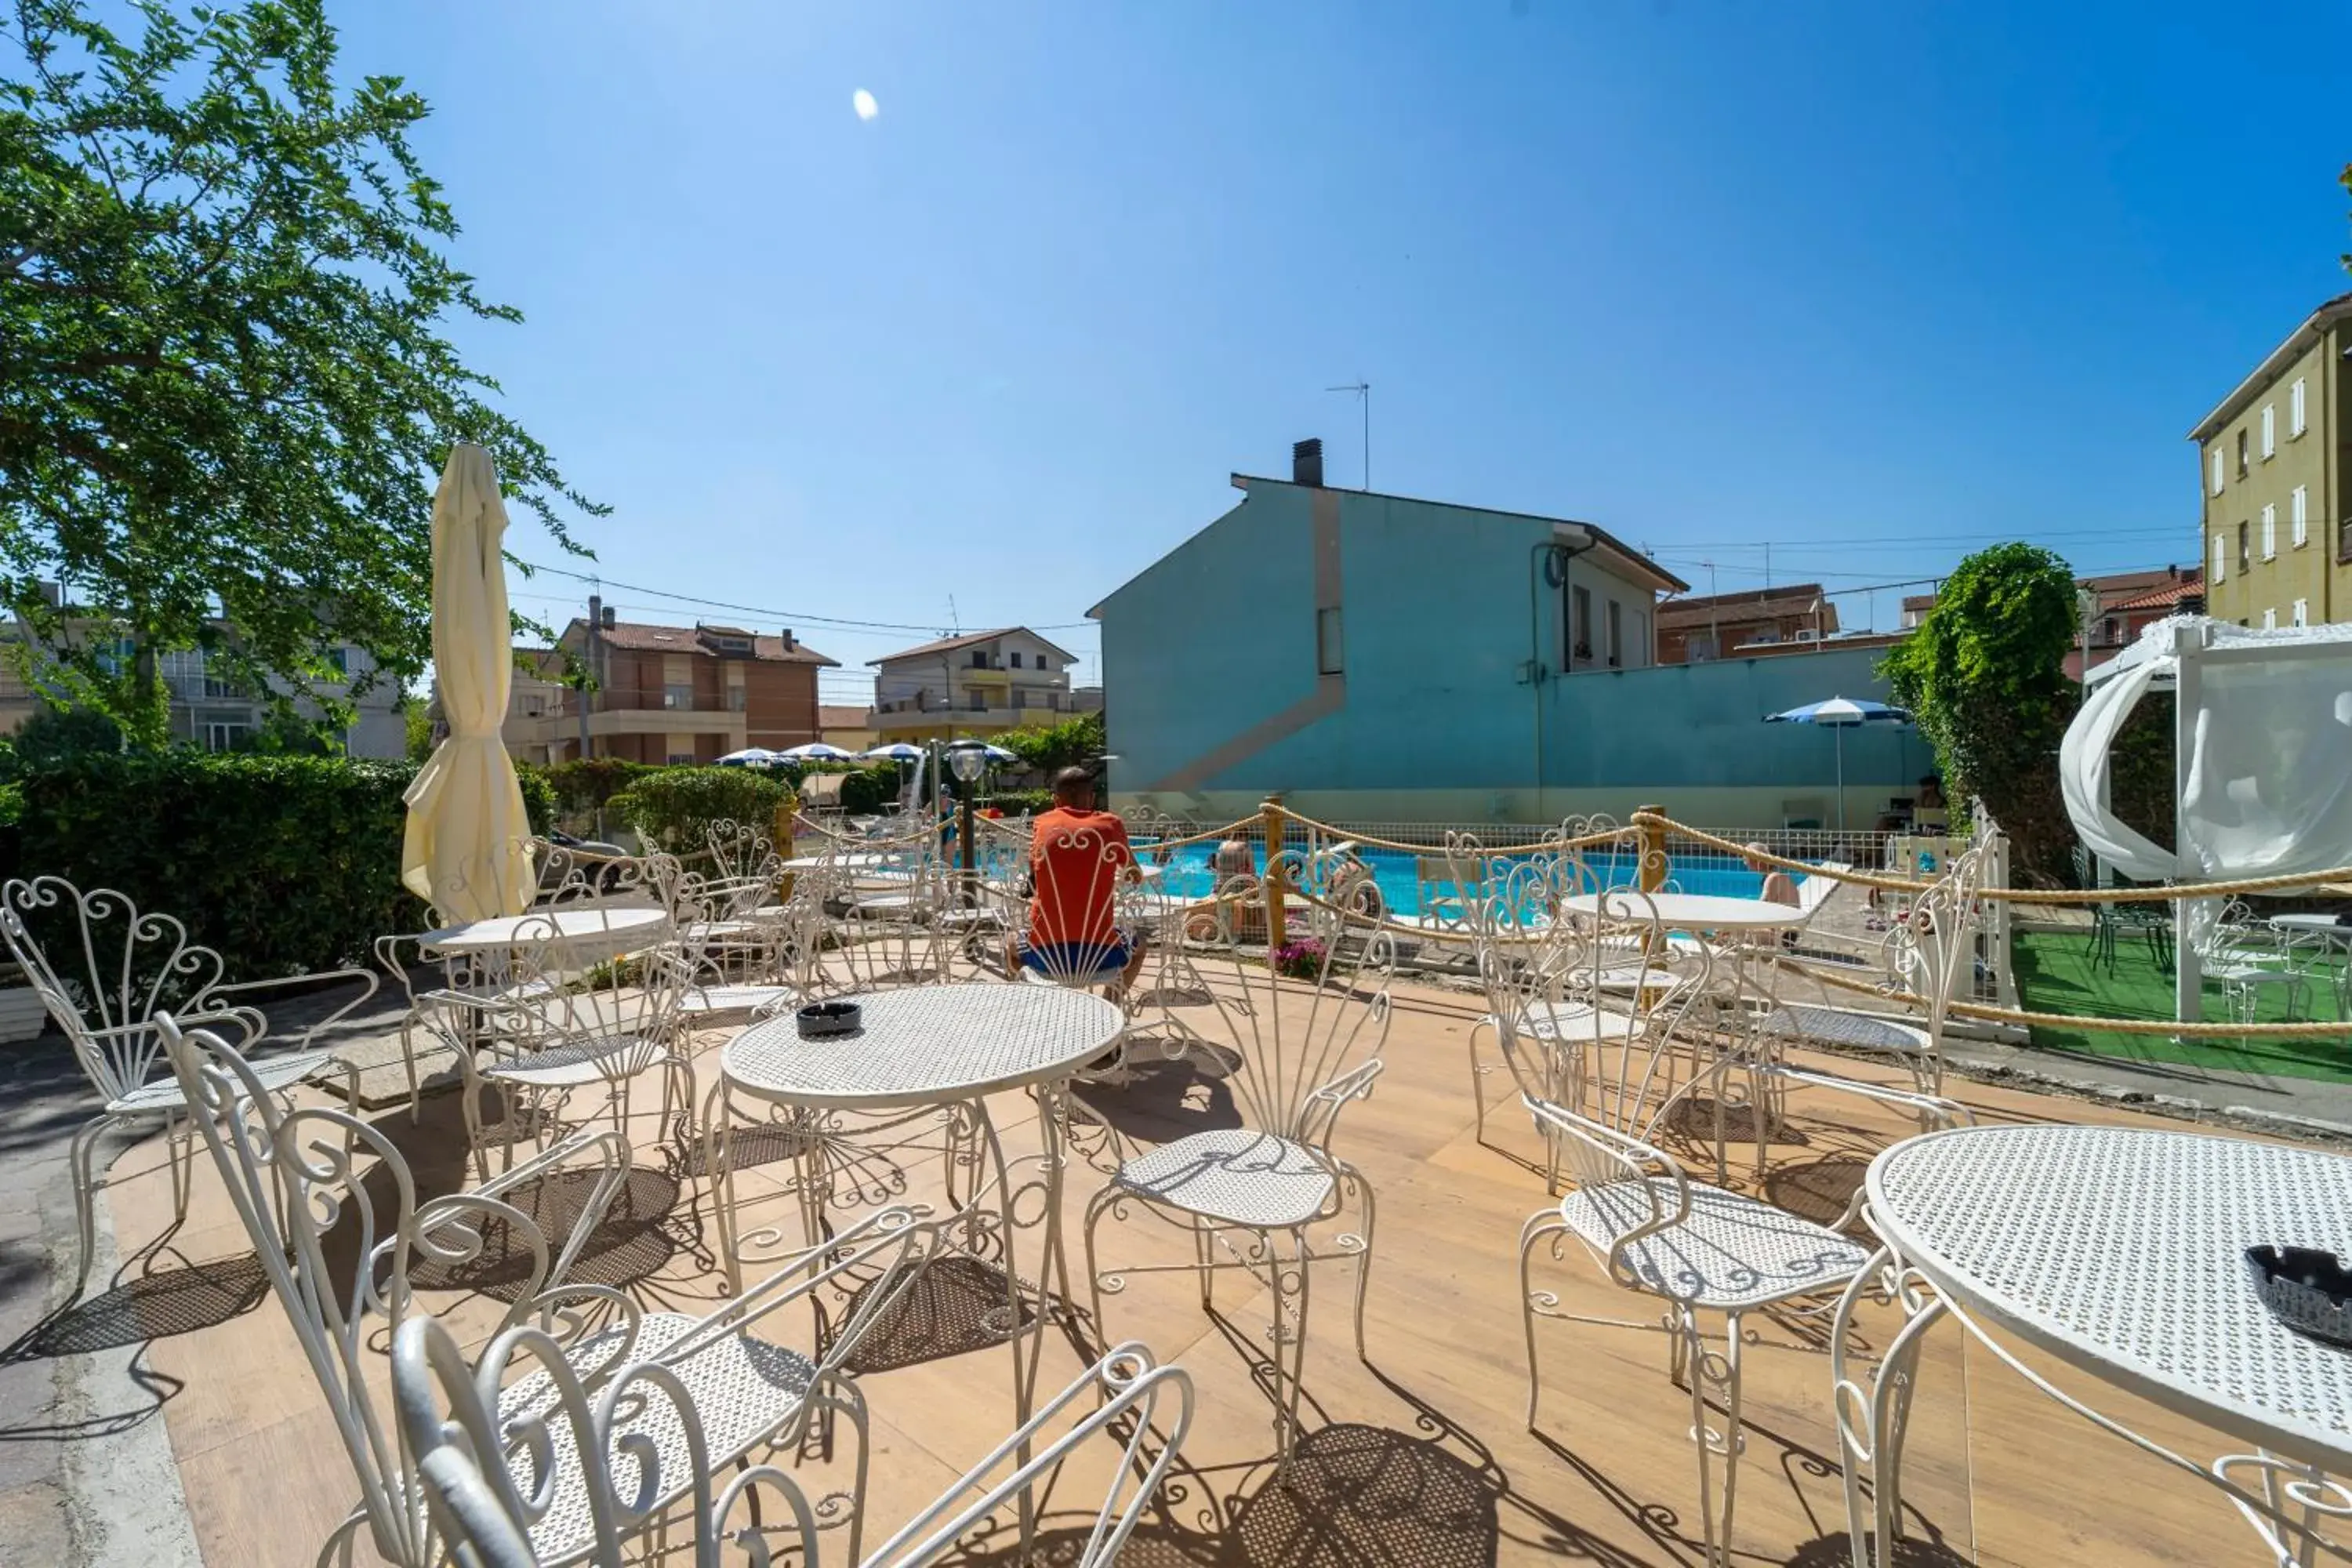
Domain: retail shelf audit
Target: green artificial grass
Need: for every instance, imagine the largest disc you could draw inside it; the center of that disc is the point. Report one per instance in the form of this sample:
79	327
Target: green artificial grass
2054	974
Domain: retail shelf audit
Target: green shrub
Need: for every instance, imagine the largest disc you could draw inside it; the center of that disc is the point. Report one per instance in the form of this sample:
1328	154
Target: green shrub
538	800
866	791
54	734
1020	802
581	789
672	808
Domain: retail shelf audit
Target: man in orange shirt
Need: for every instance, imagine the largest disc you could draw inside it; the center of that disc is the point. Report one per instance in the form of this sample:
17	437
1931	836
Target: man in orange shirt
1077	857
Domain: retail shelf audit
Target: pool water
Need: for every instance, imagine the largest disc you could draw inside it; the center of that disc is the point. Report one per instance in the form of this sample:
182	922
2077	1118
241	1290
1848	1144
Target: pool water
1396	872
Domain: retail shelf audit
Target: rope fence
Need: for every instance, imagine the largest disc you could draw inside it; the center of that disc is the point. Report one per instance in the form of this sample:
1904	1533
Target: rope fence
1648	832
2143	893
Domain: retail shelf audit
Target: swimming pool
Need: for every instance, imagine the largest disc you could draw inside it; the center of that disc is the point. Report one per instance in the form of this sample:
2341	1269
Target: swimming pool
1396	874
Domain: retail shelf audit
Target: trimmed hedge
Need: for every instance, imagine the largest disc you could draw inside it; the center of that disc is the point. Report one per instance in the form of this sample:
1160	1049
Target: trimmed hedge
581	789
672	808
284	864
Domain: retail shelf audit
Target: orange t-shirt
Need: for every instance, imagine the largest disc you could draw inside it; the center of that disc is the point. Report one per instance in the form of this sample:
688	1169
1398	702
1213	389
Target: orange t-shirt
1076	858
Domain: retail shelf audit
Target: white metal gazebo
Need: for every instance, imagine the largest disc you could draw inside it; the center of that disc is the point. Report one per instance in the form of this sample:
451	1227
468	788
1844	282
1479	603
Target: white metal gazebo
2263	761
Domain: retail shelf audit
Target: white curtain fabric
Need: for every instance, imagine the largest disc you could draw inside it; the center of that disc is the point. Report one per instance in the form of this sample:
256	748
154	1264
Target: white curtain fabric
467	849
2083	768
2266	789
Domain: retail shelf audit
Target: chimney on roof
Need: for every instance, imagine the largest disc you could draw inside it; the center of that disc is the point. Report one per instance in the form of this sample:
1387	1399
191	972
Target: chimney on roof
1306	462
789	644
611	617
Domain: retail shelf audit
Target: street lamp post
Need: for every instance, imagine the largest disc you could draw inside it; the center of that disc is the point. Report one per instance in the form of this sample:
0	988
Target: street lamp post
967	760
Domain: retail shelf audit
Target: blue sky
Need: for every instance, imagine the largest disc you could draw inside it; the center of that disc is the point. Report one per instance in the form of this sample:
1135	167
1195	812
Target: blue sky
1874	283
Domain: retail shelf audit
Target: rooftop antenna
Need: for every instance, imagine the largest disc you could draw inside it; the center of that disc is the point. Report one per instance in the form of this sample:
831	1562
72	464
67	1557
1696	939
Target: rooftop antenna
1363	390
953	619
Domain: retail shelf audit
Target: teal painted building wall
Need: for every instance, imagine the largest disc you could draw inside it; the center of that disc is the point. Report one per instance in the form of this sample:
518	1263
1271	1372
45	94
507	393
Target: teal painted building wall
1451	703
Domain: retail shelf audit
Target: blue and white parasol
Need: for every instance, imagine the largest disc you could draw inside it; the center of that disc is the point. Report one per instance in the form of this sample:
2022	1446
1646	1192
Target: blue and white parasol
1841	714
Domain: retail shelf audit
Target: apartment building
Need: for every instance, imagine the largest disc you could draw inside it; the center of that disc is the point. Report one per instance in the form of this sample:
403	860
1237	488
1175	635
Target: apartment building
977	683
1715	625
664	694
210	710
2271	458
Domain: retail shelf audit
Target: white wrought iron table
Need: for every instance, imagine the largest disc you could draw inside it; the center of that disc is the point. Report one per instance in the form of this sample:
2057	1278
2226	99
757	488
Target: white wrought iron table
1752	995
925	1058
593	925
1687	911
2119	1251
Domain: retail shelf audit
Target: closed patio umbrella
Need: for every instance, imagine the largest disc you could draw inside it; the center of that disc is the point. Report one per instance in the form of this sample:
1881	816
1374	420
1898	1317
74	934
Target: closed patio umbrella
1841	714
466	849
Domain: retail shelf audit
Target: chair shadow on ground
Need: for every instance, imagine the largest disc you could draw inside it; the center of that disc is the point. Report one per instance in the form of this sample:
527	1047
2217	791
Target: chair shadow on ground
1163	1101
1353	1494
158	1293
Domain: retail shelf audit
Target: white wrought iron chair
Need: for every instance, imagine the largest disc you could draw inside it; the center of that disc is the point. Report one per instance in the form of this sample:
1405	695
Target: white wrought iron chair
1569	981
886	900
737	938
488	1496
1929	953
293	1179
2246	958
741	851
1304	1047
564	1024
1701	1249
104	971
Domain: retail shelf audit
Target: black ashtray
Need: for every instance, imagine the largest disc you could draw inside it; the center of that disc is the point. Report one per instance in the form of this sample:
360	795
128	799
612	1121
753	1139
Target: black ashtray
821	1020
2306	1288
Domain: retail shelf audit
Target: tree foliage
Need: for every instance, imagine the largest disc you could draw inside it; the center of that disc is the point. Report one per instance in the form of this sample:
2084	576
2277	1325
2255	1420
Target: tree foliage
1073	742
224	387
1986	676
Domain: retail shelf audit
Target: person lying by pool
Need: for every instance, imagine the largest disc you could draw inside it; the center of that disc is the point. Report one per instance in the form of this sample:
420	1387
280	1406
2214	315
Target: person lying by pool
1077	857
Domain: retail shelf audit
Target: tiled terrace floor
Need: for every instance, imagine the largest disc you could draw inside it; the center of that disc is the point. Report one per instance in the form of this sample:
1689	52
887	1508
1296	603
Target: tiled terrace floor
1419	1458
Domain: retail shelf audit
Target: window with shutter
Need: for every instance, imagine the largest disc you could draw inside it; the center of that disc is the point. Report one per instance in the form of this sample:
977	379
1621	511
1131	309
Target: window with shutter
2269	431
2217	471
2270	620
2270	532
2220	558
2302	612
2294	420
2298	516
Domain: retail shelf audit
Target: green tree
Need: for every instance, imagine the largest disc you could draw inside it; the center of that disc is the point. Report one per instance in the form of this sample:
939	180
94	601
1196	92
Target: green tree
1986	675
54	734
223	386
1074	743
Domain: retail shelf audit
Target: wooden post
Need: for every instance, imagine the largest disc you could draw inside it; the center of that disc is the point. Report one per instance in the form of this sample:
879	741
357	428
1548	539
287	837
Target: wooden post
1277	925
1652	872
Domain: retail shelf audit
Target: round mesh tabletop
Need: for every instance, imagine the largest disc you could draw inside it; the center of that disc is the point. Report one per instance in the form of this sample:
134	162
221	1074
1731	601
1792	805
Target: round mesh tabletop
925	1044
2121	1250
595	923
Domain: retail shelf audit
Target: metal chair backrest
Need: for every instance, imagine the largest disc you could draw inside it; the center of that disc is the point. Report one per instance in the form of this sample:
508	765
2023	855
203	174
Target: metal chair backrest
573	877
104	970
577	987
1075	901
1307	1021
1932	950
740	851
1537	957
341	1250
469	1462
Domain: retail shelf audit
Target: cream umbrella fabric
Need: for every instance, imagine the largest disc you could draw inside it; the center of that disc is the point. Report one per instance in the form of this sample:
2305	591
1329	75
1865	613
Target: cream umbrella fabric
467	849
